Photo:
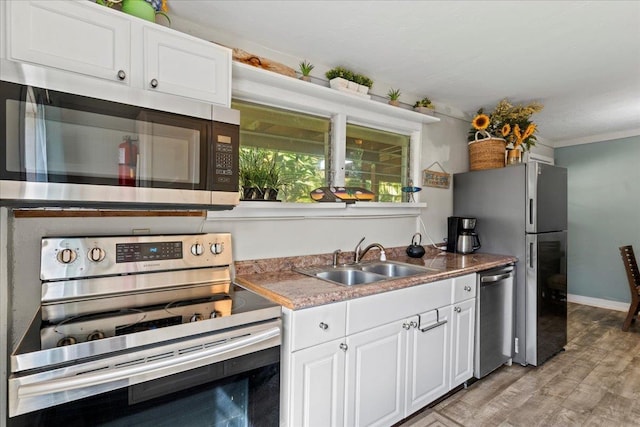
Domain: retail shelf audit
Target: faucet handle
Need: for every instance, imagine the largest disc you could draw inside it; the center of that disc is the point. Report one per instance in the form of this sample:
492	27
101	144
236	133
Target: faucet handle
336	253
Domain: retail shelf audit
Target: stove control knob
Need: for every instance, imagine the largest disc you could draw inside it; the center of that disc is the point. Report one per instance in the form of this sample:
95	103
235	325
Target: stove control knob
213	314
197	249
217	248
96	254
67	256
196	317
67	341
95	335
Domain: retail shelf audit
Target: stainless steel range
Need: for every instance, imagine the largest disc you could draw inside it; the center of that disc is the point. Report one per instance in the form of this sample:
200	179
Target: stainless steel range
144	323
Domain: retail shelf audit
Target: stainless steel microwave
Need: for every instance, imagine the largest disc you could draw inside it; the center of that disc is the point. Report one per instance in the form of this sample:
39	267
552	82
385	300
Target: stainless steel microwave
65	149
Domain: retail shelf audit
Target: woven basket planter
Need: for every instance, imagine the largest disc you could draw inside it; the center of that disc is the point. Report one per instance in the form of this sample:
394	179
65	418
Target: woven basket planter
487	153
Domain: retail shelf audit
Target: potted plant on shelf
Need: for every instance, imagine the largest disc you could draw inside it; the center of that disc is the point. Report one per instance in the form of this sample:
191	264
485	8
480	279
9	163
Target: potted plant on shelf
144	9
424	106
343	79
394	97
305	69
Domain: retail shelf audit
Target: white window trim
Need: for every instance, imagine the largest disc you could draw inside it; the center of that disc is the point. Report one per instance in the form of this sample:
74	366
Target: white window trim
264	87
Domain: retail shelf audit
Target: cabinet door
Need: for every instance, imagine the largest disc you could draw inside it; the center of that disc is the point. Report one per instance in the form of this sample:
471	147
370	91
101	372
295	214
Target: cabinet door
71	36
462	341
375	375
318	385
428	359
181	65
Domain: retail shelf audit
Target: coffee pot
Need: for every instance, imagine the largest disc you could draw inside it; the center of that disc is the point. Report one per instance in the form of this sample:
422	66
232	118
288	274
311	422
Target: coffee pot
468	241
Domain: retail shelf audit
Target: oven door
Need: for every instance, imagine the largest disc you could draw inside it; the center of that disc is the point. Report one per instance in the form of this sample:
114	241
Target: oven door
59	146
229	378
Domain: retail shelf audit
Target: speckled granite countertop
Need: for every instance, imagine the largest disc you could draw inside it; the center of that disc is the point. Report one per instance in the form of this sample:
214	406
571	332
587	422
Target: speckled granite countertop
275	279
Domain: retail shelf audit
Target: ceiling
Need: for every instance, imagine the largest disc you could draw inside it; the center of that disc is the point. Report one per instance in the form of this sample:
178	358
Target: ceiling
581	59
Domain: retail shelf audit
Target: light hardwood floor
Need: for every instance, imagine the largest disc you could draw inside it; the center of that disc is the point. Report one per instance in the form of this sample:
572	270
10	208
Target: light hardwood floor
595	382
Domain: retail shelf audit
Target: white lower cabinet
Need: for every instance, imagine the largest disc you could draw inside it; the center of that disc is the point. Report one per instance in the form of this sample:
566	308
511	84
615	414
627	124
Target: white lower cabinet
463	340
318	385
378	371
376	376
428	359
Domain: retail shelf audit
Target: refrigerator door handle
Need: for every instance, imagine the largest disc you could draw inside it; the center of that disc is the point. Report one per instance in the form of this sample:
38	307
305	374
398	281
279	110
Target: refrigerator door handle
531	212
531	254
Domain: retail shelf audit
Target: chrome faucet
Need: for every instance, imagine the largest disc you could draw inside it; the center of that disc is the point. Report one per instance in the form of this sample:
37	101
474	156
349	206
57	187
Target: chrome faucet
336	253
359	254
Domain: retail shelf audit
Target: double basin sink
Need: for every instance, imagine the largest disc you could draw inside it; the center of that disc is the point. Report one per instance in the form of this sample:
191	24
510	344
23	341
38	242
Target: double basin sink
369	272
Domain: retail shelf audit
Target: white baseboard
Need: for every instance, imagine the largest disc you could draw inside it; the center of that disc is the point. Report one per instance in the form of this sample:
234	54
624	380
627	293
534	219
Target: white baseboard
598	302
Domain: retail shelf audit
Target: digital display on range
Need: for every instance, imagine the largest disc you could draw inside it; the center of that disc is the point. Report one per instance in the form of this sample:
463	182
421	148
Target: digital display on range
136	252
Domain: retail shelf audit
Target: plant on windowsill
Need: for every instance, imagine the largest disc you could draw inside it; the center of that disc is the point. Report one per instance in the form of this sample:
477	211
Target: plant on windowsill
260	175
305	69
394	97
343	79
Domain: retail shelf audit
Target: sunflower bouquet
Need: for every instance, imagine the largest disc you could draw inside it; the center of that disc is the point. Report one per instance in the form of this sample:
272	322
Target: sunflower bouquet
511	122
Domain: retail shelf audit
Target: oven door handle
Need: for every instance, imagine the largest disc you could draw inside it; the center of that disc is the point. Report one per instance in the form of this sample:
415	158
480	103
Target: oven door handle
151	370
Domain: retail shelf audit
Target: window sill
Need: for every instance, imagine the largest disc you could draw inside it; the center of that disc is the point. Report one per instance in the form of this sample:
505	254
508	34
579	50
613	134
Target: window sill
273	210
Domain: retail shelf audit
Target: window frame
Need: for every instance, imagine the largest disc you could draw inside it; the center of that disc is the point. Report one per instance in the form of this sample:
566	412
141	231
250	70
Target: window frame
259	86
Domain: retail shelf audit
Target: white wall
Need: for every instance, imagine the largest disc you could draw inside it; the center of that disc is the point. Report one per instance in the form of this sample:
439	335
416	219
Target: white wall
446	143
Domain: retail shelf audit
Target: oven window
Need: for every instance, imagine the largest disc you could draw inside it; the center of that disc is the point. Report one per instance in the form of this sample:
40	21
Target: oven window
244	391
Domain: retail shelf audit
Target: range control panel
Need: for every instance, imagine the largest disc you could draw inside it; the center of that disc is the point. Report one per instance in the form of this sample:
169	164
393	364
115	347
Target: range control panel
79	257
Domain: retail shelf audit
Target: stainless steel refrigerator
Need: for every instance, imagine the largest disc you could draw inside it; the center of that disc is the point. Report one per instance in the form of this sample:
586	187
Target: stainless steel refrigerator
521	210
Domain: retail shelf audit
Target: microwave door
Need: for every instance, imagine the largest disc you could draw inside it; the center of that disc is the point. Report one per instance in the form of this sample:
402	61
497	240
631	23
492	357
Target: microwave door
34	150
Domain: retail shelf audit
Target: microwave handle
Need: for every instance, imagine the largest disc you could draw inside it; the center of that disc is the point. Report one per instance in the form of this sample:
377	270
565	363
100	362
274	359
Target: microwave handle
148	371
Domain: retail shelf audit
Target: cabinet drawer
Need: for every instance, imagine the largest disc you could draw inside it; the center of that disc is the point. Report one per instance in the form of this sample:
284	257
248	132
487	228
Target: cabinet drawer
317	325
371	311
464	287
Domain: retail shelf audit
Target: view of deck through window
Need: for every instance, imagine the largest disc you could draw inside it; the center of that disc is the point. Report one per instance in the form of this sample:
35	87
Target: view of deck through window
377	161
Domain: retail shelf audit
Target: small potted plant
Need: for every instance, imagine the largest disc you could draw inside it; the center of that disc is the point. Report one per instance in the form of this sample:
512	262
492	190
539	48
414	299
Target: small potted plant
305	69
424	106
364	83
394	97
273	182
341	78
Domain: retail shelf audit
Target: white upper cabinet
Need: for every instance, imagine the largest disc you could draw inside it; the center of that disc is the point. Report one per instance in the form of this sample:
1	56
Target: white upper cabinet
186	67
87	49
71	37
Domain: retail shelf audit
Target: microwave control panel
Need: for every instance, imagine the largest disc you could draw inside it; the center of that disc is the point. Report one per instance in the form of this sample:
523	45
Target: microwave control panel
224	165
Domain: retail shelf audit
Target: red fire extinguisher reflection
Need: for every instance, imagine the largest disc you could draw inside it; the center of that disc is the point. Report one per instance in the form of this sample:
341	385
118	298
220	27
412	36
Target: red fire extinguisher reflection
127	159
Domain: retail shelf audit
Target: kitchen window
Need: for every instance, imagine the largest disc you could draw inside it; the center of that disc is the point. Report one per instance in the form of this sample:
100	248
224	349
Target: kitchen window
300	143
377	161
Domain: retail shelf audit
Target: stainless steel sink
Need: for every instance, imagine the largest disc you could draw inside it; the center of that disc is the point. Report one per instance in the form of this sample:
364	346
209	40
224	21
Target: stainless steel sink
349	276
390	269
370	272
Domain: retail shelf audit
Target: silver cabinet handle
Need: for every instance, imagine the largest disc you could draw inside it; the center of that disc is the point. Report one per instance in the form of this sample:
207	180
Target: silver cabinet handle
457	309
154	83
467	288
323	326
413	324
343	346
406	326
122	75
435	325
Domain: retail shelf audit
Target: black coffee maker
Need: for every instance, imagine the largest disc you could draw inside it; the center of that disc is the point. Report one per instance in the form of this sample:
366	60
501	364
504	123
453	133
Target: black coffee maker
461	235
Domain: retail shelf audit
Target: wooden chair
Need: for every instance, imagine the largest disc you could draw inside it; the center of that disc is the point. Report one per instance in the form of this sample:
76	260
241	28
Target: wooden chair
631	265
